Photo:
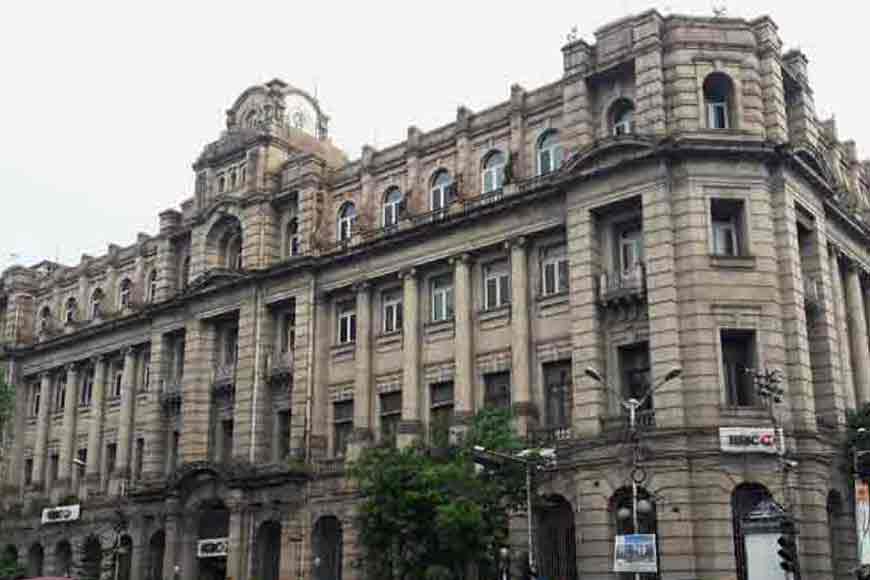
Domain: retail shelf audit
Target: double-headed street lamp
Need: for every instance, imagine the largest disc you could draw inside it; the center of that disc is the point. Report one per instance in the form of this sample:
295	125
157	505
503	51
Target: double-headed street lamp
531	459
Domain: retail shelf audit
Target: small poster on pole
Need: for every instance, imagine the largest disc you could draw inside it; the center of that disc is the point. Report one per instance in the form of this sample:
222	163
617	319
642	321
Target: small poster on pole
635	553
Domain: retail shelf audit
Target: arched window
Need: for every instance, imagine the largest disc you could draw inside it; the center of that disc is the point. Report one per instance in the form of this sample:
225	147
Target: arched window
71	309
96	303
222	183
549	152
718	97
394	202
152	286
327	548
443	190
44	319
493	172
622	117
251	119
745	498
346	222
233	250
184	274
623	509
291	238
125	293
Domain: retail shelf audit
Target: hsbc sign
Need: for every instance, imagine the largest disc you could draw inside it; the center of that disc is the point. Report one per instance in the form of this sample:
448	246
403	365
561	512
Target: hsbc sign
747	440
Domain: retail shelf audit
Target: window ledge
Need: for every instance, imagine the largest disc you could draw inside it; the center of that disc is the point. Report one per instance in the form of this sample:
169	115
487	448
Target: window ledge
503	311
439	330
745	262
389	339
345	350
550	304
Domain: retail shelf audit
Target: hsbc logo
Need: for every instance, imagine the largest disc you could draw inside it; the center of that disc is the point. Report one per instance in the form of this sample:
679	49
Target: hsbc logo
747	440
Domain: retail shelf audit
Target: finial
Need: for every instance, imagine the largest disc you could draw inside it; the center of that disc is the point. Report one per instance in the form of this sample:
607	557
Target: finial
720	9
572	34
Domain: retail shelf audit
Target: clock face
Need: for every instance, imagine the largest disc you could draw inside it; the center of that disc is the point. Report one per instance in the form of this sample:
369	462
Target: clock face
301	114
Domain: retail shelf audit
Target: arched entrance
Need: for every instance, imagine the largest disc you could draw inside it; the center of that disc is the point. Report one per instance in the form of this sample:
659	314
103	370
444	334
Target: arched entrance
326	544
267	554
213	532
63	558
156	550
91	563
745	498
35	559
556	541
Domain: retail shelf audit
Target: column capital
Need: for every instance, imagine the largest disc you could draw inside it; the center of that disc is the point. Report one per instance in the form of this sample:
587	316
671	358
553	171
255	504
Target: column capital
130	350
72	367
463	258
101	358
407	273
362	287
518	242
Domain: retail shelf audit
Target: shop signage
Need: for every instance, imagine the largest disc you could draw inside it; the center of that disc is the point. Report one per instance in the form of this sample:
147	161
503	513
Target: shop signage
212	548
635	553
61	513
747	440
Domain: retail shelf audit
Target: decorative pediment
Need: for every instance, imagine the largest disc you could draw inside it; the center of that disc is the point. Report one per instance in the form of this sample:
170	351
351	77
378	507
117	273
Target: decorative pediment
212	277
608	152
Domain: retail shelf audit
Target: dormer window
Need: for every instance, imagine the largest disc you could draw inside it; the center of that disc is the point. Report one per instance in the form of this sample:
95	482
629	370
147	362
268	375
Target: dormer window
443	191
393	205
96	304
493	172
70	311
622	117
718	97
549	152
346	222
125	292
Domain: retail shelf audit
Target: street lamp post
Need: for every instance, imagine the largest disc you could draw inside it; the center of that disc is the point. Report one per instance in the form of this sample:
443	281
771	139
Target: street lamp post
529	465
638	475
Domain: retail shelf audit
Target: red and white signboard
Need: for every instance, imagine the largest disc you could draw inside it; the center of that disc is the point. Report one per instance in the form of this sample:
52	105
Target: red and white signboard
748	440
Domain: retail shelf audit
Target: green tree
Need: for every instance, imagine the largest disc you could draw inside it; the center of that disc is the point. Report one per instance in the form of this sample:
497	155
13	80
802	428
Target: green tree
10	569
431	515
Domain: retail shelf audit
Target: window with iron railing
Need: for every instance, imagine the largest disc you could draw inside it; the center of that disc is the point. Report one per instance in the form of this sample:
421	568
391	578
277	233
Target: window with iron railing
497	390
440	413
558	393
391	415
738	355
342	423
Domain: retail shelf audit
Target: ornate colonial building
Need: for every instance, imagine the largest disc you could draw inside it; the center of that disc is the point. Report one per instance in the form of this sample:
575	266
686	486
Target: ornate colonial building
672	201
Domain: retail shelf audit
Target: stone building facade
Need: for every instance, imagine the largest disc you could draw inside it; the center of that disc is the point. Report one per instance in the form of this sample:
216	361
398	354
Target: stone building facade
672	201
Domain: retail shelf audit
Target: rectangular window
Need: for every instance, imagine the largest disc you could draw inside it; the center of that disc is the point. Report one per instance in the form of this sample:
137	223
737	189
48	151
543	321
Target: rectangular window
738	348
629	239
346	322
441	413
497	390
146	370
226	440
554	271
391	414
35	394
496	285
174	455
179	359
87	388
288	331
282	445
726	216
342	420
392	311
82	457
140	459
717	114
230	345
634	365
442	298
28	471
558	393
53	469
60	393
117	380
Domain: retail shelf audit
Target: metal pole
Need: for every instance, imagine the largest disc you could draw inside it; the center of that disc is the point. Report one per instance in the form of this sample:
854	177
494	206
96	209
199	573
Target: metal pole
632	427
529	510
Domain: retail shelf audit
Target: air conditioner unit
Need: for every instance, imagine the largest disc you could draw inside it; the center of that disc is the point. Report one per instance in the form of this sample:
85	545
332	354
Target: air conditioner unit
212	548
61	513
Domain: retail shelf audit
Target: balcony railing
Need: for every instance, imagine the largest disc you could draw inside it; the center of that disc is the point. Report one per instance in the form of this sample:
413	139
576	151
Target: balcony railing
170	392
628	285
224	375
551	435
813	293
279	365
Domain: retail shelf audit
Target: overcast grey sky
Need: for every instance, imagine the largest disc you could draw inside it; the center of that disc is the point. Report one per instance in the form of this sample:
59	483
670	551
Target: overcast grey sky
107	104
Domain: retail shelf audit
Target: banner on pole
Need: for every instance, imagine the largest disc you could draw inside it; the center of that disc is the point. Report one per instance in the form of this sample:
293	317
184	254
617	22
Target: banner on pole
635	553
862	521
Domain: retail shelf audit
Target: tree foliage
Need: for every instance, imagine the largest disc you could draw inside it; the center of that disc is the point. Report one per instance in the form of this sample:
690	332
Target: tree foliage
10	569
427	515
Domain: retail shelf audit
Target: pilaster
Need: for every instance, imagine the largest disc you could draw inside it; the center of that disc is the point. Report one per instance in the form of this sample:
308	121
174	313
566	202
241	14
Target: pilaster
68	438
858	334
362	399
463	402
239	543
410	427
521	378
196	391
839	301
40	452
95	424
173	537
125	420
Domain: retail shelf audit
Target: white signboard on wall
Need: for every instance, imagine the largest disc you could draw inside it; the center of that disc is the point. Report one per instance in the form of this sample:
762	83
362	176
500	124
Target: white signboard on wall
635	553
61	513
747	440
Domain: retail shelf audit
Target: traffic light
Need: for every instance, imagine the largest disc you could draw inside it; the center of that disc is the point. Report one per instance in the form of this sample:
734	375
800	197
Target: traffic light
788	556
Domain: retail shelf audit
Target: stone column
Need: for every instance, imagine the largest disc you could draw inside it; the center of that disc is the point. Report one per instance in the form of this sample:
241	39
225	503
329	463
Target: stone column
172	531
125	422
22	395
68	437
409	428
521	378
42	426
138	550
322	337
848	384
362	398
858	335
463	341
238	542
95	428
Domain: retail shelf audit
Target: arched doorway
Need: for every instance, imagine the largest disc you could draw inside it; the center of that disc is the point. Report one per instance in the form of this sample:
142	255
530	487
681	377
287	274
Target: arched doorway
555	538
267	555
744	499
63	558
35	559
326	543
213	532
156	550
91	562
